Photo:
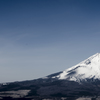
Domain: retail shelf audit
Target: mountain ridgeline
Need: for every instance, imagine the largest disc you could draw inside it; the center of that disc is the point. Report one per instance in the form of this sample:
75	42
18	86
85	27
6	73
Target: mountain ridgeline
80	80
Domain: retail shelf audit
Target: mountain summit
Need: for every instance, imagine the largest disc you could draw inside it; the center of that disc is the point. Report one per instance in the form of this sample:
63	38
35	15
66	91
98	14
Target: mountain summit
87	69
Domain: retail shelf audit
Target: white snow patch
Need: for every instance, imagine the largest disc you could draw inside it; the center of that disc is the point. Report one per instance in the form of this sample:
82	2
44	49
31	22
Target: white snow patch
89	68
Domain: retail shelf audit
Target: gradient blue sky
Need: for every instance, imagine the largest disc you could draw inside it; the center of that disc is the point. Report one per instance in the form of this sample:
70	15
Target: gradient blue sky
41	37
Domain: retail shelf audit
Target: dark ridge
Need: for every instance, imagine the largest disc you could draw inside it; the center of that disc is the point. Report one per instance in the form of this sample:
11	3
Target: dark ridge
55	74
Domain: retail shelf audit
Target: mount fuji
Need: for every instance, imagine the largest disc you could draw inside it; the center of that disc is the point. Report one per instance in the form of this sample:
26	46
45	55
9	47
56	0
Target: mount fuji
87	69
80	80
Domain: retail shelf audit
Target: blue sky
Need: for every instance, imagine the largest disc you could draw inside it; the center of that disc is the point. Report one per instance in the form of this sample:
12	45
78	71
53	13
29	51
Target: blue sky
41	37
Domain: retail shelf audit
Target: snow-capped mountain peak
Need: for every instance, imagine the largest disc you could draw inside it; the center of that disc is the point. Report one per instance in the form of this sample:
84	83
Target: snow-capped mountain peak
87	69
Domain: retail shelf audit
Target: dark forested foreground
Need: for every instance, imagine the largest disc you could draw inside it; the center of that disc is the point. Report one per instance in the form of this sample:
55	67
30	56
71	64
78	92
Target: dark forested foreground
52	98
50	89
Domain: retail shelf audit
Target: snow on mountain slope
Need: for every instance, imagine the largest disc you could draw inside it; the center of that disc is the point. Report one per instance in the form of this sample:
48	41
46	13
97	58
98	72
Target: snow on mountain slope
87	69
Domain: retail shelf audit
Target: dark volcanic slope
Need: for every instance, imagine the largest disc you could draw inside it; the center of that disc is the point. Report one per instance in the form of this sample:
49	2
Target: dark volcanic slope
57	88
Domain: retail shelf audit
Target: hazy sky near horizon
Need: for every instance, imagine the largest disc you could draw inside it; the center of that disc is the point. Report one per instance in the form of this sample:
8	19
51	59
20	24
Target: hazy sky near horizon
41	37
